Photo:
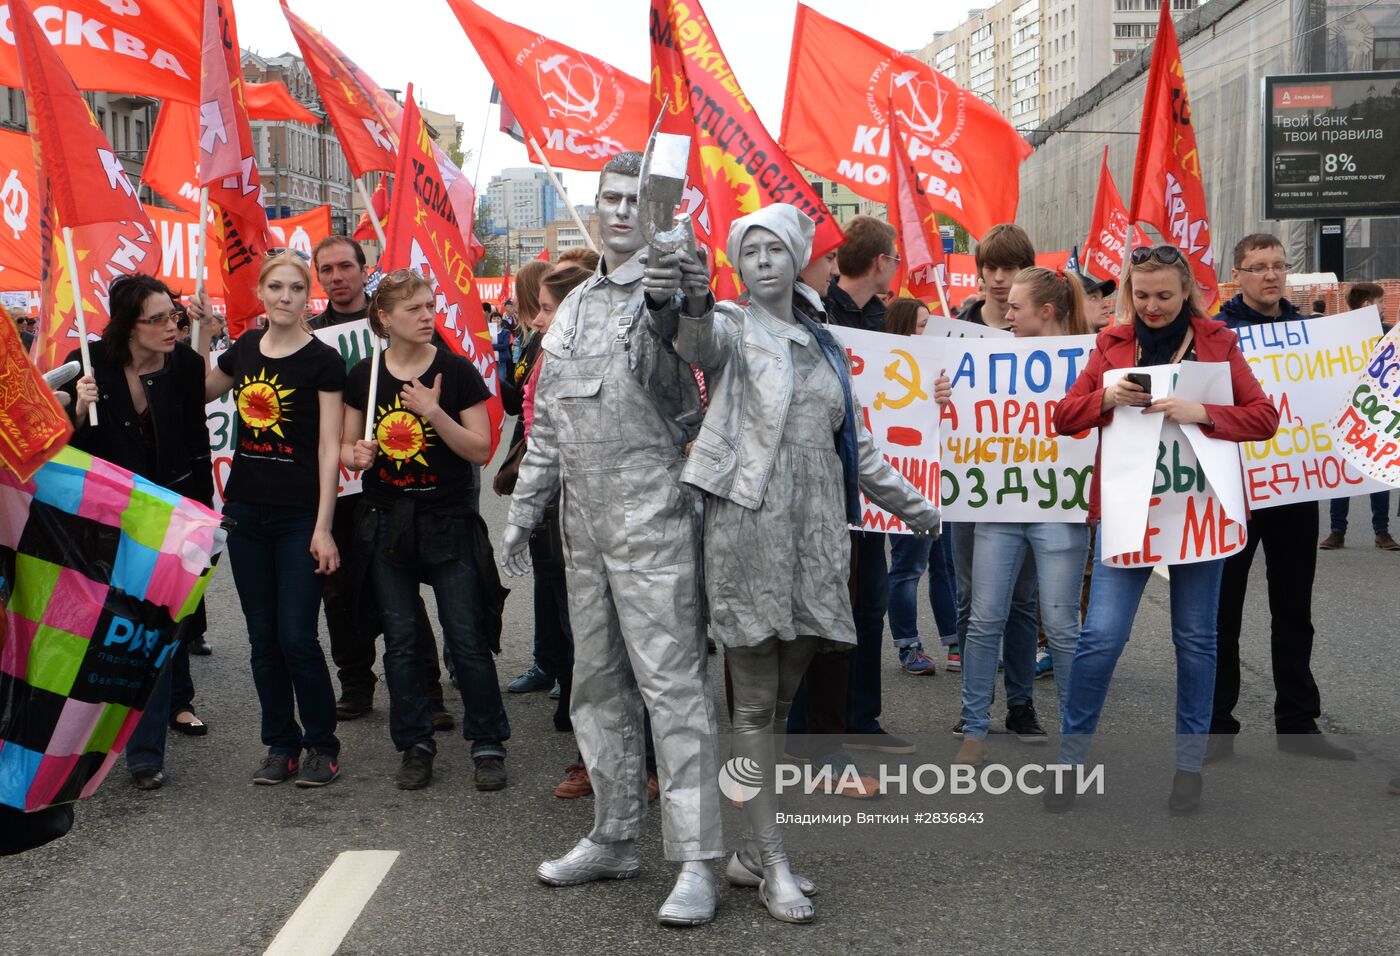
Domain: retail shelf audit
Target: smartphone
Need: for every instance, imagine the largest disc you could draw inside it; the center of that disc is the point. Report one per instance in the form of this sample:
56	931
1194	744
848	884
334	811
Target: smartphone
1141	379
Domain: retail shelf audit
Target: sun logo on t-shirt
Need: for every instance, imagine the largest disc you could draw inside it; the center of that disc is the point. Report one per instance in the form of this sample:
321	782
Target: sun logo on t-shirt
402	435
262	403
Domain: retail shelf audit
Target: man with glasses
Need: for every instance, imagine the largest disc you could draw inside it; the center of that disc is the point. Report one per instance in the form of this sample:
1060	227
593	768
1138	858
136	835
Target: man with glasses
1288	534
26	325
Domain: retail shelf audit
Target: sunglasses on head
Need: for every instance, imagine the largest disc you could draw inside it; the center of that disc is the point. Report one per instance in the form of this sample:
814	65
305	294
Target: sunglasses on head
274	253
1166	255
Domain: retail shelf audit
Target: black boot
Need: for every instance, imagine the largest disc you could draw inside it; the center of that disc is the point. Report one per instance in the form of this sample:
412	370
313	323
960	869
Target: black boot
1185	797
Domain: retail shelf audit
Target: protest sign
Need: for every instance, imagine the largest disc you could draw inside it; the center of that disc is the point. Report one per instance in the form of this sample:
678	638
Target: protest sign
1003	460
939	326
1185	502
350	339
893	380
1368	427
1308	369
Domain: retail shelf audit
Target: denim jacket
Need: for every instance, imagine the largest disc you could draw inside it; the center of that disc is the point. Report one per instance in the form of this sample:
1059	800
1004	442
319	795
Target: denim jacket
744	352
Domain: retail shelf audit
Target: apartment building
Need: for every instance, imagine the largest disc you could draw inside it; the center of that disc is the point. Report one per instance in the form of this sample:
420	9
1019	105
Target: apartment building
1030	58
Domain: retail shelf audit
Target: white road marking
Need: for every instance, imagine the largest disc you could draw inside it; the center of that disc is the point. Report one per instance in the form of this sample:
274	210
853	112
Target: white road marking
320	923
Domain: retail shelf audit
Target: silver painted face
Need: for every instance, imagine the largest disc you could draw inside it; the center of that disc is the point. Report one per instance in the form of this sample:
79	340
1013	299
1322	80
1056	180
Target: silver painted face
766	266
617	213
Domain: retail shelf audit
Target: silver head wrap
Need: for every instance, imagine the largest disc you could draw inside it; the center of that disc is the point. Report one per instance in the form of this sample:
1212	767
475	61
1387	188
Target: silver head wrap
793	227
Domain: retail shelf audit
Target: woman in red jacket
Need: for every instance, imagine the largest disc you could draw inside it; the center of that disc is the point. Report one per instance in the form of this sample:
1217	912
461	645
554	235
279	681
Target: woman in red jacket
1167	326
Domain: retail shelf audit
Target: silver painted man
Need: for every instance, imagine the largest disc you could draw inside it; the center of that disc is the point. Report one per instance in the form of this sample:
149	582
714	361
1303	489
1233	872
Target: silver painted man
614	407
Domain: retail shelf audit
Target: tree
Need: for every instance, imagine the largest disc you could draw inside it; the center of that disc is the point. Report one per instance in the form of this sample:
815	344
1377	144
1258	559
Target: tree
492	263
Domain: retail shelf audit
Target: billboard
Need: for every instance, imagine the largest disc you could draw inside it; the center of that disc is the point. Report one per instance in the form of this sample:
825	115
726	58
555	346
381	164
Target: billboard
1332	145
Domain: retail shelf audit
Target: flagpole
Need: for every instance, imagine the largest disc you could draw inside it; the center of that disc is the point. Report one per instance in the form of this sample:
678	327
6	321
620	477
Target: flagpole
938	283
199	261
78	318
371	215
558	187
376	344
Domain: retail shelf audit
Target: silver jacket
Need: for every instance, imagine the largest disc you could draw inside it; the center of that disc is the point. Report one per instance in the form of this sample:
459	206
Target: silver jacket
744	352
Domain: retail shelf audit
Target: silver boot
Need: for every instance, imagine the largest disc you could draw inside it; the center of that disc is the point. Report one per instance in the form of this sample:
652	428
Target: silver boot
590	861
693	899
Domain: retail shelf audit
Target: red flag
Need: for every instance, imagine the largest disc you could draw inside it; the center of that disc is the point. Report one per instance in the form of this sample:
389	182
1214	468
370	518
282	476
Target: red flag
579	109
835	123
33	426
379	208
543	256
172	159
273	101
82	186
424	235
150	48
921	263
19	205
366	125
1168	193
228	167
1108	232
736	164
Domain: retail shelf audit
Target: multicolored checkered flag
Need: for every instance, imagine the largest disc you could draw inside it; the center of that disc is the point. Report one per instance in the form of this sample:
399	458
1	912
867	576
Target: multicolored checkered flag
97	569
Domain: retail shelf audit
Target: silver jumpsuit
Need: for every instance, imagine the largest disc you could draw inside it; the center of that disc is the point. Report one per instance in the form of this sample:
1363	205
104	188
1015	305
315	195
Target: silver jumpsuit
607	404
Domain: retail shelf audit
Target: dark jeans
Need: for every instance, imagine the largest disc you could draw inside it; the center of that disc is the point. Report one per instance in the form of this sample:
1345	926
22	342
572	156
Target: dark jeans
554	637
145	748
270	553
454	584
1380	513
352	619
1288	535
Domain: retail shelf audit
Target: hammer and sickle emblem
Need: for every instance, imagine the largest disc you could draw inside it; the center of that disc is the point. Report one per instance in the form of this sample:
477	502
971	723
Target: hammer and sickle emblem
913	388
15	199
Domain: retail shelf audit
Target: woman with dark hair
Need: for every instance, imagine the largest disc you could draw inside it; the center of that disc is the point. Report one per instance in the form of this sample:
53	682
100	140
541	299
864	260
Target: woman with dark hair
1166	325
417	522
149	392
281	491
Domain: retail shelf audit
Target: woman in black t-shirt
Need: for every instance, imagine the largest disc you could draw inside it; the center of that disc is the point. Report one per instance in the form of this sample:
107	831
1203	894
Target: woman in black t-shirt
430	428
281	491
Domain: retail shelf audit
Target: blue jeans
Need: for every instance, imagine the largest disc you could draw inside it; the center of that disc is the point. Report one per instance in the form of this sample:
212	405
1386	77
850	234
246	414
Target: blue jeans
1054	554
270	553
145	748
455	587
1022	629
1113	602
910	556
1380	513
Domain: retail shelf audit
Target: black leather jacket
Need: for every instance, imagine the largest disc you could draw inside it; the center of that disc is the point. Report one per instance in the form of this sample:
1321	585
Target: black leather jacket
175	396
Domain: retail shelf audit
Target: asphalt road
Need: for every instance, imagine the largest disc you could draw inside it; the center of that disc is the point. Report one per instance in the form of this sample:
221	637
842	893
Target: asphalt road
213	864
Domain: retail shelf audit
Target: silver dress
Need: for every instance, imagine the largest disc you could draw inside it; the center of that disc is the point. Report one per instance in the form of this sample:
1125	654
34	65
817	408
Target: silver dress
780	570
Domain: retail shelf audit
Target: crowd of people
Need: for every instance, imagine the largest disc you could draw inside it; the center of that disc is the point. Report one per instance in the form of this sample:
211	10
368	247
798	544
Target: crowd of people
651	419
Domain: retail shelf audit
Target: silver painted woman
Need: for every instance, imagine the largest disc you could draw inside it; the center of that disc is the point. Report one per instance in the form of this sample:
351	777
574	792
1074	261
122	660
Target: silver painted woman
782	456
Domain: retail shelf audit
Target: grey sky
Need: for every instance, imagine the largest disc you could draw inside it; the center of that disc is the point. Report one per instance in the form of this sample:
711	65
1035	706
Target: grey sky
420	41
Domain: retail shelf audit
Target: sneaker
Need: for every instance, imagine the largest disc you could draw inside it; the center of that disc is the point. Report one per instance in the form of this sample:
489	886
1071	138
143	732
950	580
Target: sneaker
555	691
1332	542
575	783
531	681
1044	665
881	740
954	659
490	772
653	786
959	727
1021	721
914	661
317	770
1386	543
275	768
416	771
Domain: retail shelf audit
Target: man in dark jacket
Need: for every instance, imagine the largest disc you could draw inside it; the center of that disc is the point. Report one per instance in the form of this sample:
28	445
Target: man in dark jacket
1288	534
341	269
